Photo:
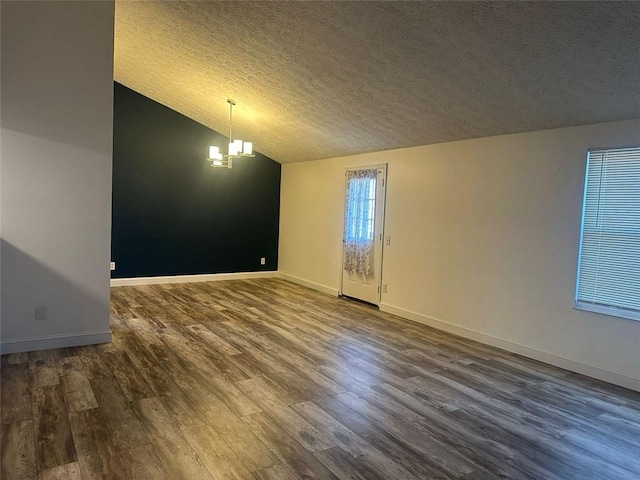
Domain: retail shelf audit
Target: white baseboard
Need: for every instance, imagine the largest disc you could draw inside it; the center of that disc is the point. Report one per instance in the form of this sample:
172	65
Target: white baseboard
309	284
209	277
55	341
546	357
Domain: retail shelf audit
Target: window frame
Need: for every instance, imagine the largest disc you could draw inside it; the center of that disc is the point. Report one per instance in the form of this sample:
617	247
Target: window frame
621	312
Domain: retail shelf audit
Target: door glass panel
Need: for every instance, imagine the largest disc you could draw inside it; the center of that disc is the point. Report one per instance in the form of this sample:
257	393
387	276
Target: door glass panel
360	213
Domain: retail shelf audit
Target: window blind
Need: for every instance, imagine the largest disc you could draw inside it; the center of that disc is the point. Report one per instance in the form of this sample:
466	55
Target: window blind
609	262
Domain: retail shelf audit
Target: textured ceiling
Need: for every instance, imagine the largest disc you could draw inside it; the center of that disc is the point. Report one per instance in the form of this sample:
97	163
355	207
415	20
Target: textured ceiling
323	79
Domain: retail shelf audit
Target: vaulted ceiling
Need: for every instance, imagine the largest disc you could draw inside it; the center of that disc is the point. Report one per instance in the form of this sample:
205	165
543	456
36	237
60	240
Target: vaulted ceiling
323	79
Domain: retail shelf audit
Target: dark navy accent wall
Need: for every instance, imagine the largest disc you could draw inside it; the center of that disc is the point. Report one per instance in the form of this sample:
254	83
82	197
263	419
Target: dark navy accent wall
173	214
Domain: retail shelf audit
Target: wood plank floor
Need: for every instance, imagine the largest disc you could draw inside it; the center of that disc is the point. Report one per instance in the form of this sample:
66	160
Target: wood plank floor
267	380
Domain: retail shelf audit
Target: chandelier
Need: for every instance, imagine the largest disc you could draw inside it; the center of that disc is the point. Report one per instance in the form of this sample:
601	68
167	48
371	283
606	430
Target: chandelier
237	148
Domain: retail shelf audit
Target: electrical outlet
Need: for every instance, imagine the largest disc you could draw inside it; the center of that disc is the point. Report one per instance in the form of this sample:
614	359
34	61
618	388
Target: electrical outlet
384	288
263	261
112	266
41	313
387	240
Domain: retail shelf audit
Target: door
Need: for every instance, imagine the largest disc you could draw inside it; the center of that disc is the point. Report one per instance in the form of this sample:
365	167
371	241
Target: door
363	226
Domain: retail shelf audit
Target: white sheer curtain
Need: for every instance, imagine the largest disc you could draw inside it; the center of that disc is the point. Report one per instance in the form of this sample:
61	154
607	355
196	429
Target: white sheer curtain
360	221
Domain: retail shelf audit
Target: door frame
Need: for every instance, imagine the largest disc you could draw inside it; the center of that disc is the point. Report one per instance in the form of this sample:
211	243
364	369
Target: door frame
383	205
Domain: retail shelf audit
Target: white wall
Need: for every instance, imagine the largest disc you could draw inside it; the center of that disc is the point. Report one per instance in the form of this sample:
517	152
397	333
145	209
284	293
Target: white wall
484	242
56	151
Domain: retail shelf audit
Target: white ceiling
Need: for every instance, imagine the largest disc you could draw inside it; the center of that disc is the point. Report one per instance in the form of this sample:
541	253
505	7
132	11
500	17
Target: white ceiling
323	79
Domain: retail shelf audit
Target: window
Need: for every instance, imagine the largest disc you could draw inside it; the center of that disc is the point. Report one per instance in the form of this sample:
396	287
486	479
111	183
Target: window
609	262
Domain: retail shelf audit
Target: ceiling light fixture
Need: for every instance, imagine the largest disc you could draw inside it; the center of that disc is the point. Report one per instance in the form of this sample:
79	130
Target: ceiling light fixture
237	148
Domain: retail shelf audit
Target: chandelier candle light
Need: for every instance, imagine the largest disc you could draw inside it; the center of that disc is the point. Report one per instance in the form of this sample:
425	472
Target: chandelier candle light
237	148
